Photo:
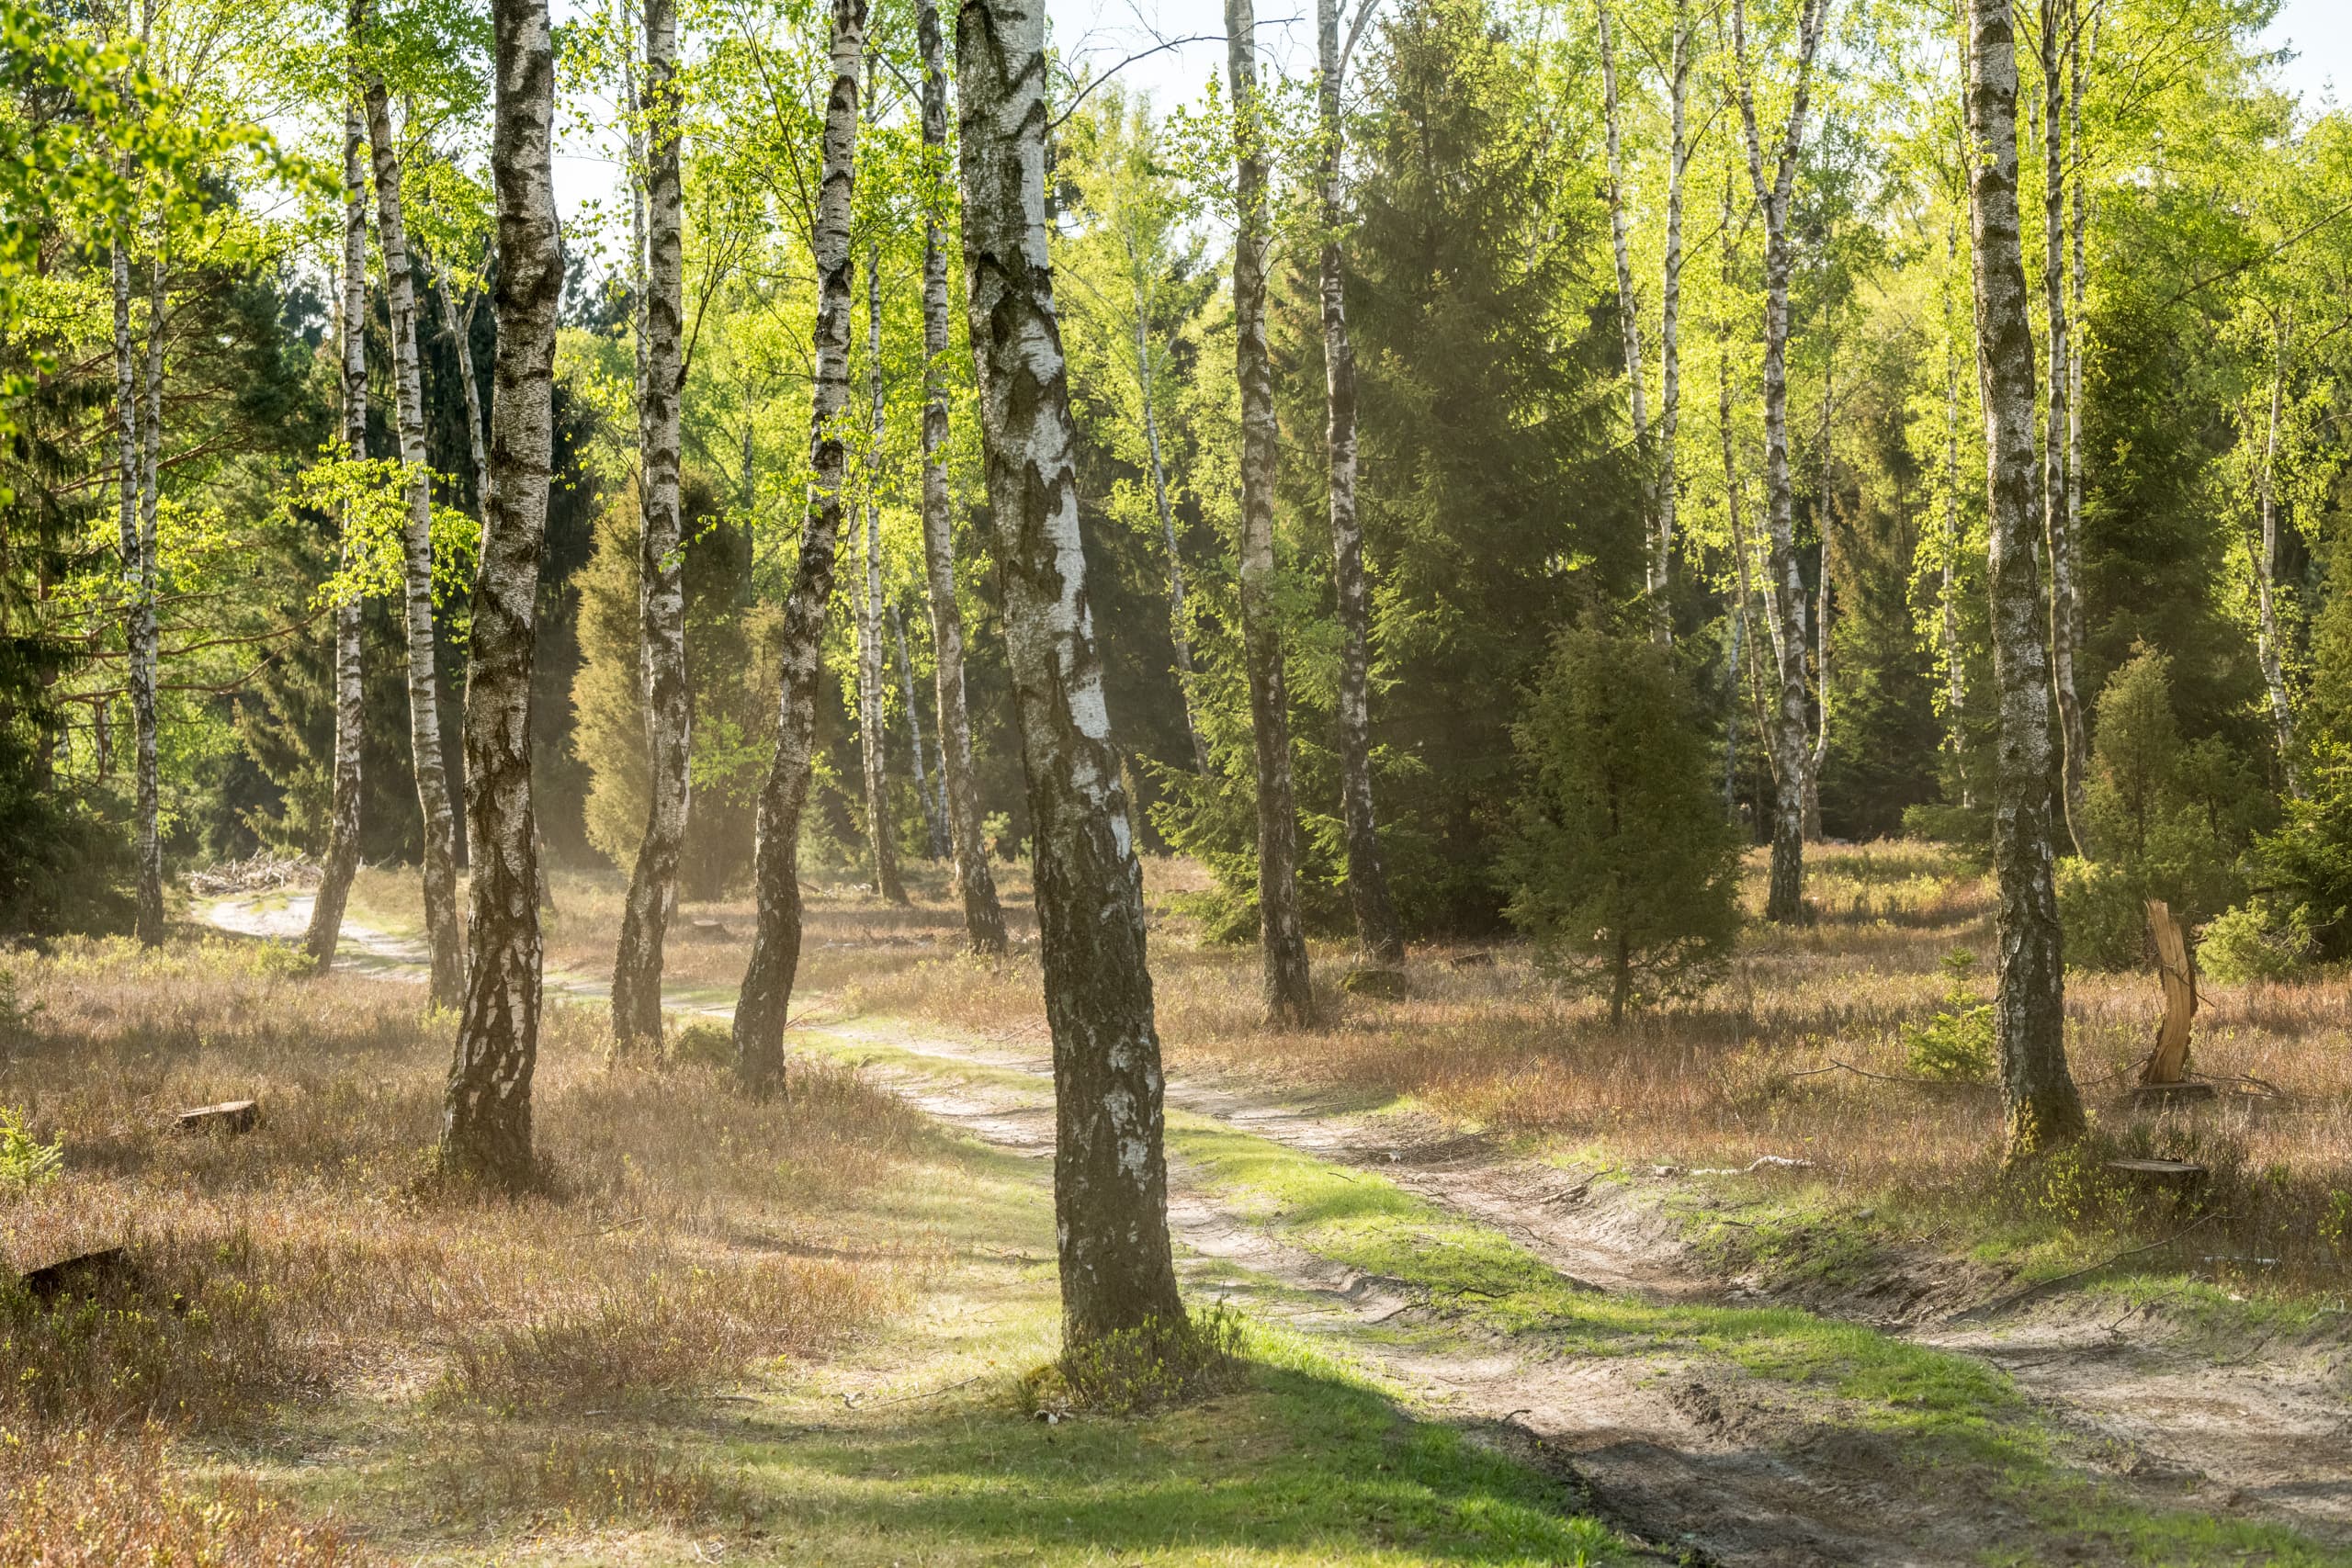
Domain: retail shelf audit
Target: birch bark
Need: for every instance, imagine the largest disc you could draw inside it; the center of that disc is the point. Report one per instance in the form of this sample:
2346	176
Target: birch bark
661	569
935	807
975	885
874	734
2057	521
1955	666
2039	1103
135	476
1784	901
2274	677
1669	480
775	946
1629	322
486	1124
1377	932
1110	1170
1146	386
443	934
1290	998
1820	754
341	860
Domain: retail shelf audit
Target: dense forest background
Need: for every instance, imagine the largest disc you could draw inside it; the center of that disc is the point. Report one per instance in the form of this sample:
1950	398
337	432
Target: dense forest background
1507	492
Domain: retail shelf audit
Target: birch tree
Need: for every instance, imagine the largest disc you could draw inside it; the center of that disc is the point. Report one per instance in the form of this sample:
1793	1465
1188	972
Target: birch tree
2040	1107
873	725
1110	1170
1377	931
486	1122
442	932
2057	515
1290	998
1784	901
975	885
766	995
935	807
661	601
341	862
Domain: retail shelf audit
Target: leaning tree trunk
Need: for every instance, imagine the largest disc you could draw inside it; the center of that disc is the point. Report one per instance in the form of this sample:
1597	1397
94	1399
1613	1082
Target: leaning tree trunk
935	807
442	931
342	861
2274	677
1179	631
775	943
138	591
2057	525
1110	1172
2041	1105
983	917
1629	322
1785	899
662	600
1290	997
1376	929
486	1127
874	734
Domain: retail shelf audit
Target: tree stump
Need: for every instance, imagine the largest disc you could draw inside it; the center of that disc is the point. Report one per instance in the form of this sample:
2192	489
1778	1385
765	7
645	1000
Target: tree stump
1473	961
2168	1063
230	1118
2174	1176
708	931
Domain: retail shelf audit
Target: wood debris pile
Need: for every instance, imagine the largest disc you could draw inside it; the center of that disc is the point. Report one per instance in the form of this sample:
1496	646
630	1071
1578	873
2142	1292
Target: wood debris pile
261	872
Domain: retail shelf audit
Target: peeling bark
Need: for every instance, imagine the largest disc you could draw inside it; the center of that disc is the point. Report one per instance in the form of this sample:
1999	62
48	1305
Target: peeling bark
2041	1105
341	863
486	1124
1110	1170
443	934
1290	998
660	567
1784	902
1377	932
766	995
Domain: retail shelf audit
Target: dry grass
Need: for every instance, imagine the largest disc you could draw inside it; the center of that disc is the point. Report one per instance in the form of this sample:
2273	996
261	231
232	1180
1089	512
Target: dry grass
1716	1082
683	1237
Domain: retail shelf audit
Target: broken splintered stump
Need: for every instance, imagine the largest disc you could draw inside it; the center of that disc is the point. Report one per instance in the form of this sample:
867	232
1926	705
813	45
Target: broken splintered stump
230	1116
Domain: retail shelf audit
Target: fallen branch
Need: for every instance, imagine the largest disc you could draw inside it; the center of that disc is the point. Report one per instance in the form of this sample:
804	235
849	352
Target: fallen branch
851	1403
2005	1302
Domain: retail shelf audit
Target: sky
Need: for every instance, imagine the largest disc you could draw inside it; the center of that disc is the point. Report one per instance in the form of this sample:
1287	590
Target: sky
1098	35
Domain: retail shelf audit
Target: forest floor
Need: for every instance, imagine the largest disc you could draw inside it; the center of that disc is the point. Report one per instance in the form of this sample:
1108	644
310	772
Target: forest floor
1794	1364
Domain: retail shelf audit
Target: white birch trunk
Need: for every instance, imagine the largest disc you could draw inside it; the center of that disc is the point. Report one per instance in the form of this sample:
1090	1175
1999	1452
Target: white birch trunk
1629	321
2057	520
443	934
935	807
1955	657
2274	677
486	1126
872	723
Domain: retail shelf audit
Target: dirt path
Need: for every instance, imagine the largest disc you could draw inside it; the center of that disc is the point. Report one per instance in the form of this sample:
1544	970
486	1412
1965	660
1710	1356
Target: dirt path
1692	1454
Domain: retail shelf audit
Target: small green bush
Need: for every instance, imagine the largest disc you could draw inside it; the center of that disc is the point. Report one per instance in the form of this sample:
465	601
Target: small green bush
702	1046
1142	1369
2253	941
2103	912
1956	1045
25	1161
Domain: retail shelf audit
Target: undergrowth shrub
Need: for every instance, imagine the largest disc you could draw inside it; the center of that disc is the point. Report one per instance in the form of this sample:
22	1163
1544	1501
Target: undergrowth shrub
1956	1045
25	1160
2253	941
1142	1369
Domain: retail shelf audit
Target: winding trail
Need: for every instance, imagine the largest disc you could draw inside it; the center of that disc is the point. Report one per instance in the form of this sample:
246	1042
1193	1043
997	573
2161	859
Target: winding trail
1683	1450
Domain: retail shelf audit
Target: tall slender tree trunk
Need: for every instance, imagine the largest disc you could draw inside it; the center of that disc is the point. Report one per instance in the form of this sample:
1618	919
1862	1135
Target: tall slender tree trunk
873	711
443	934
486	1126
341	860
1179	631
1629	322
1290	997
2041	1105
975	885
935	807
138	590
2079	55
660	567
1377	932
766	995
1669	401
1955	658
1785	899
142	691
2057	521
1820	753
2274	677
1110	1170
